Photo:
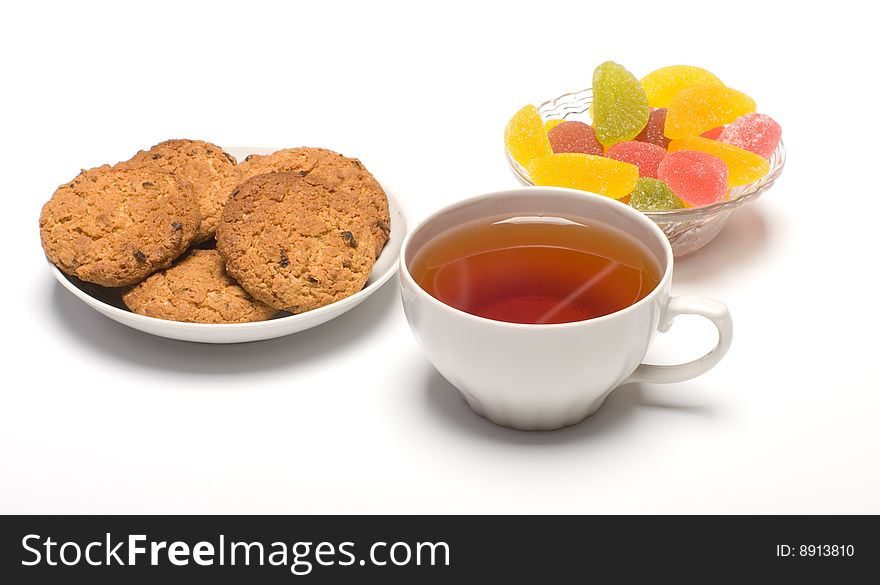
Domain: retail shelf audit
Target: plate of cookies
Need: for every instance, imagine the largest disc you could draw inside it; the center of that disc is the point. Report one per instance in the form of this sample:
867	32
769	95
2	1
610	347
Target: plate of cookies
191	241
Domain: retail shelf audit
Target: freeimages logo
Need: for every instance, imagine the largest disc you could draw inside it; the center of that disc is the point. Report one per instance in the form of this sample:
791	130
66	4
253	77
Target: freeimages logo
300	557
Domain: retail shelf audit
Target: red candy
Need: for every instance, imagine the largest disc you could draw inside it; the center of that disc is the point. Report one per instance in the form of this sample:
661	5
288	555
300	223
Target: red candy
713	134
696	178
574	137
644	155
653	132
753	132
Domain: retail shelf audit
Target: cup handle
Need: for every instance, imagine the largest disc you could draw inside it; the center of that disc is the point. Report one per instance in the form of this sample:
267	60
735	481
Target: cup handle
713	310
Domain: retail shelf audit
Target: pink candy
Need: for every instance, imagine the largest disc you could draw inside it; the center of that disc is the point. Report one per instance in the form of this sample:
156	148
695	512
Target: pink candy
696	178
644	155
753	132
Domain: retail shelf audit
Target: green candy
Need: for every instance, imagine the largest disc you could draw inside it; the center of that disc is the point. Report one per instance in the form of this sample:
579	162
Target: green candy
653	195
620	105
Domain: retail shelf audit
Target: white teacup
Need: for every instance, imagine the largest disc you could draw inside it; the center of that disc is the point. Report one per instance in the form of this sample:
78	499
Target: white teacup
541	377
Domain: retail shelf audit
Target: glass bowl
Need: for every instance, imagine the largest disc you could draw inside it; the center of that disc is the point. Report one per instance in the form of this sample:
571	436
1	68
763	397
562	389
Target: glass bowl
688	229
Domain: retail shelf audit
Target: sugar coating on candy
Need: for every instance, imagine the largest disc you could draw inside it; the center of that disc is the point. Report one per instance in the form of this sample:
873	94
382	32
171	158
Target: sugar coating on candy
551	124
644	155
587	172
743	167
574	137
653	131
620	106
756	133
713	134
698	109
653	195
525	137
663	84
696	178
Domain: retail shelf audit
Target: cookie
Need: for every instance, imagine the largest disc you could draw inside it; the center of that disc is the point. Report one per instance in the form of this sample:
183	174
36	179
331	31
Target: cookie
212	173
338	173
295	244
114	226
196	290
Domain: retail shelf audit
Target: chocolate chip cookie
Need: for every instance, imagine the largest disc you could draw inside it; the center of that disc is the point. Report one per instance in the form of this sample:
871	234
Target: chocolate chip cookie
295	243
114	226
338	173
196	290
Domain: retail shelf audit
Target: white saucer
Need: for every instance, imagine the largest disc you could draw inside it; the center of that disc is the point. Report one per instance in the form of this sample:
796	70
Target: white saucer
107	302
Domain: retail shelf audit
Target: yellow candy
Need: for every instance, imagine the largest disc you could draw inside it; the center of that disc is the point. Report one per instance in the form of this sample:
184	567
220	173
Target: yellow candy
525	137
551	124
663	84
743	167
587	172
704	107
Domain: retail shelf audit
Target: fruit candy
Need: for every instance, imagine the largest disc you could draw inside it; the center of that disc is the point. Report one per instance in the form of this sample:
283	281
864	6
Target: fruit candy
551	124
620	107
743	167
653	195
712	134
663	84
525	137
696	178
574	137
587	172
653	131
755	132
698	109
644	155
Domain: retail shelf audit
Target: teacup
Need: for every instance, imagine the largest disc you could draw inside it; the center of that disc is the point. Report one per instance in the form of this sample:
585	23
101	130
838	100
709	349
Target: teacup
547	376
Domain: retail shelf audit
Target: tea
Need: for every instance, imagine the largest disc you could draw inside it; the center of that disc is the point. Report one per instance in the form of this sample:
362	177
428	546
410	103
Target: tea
537	270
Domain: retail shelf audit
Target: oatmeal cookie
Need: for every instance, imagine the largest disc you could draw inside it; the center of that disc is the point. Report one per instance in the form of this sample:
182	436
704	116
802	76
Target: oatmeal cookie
212	173
295	244
196	290
114	226
338	173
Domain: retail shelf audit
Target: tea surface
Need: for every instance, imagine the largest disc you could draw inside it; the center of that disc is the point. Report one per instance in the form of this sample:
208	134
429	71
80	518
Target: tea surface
537	270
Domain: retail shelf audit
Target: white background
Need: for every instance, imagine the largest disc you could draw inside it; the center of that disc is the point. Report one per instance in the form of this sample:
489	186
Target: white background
350	417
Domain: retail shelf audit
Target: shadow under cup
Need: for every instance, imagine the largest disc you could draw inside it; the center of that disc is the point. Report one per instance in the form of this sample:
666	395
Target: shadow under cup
536	376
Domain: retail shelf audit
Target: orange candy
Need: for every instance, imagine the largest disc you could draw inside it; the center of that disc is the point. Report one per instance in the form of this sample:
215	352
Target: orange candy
743	167
704	107
586	172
